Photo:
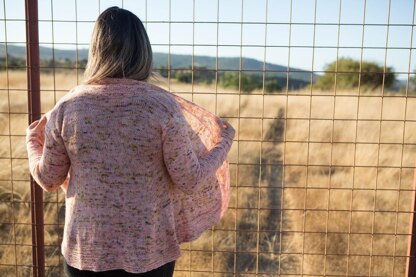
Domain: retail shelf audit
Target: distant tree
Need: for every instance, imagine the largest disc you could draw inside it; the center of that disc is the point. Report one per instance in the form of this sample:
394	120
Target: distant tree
2	63
230	80
272	86
172	73
82	63
348	75
246	82
12	63
184	77
412	83
250	83
163	71
67	62
49	63
204	75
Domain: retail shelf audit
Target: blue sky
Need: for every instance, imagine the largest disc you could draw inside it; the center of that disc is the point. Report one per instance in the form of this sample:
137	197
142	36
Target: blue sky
253	38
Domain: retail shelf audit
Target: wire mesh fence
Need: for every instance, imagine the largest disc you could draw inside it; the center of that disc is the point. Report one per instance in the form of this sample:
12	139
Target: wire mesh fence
321	93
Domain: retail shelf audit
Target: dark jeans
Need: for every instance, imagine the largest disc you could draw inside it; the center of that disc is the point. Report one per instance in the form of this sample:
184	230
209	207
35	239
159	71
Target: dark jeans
163	271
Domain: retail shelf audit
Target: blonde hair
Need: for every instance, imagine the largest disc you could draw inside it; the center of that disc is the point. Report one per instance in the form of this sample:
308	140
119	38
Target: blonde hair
120	48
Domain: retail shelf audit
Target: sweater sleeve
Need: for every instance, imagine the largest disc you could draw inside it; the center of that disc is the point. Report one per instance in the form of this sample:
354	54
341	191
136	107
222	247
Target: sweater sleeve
48	160
186	170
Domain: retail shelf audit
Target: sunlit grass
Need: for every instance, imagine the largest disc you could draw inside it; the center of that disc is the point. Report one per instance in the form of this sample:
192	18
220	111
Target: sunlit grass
315	174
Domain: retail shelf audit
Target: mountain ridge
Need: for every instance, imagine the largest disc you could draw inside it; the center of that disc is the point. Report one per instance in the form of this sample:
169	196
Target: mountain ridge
177	61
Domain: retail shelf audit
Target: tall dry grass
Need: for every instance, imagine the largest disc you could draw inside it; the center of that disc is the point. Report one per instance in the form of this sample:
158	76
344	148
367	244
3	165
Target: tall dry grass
321	184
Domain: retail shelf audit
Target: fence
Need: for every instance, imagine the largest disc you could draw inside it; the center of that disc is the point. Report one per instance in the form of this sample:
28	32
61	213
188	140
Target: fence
322	167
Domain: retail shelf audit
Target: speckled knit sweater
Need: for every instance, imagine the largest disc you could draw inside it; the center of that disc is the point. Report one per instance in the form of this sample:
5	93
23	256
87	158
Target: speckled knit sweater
147	172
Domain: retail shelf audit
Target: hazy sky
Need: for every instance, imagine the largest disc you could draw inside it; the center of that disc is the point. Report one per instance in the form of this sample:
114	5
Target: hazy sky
193	22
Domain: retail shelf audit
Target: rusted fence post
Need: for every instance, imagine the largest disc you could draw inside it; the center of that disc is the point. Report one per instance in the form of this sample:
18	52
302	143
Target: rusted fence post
33	87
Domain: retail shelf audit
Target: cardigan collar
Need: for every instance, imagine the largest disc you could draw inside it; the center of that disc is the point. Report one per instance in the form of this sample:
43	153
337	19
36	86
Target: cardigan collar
117	81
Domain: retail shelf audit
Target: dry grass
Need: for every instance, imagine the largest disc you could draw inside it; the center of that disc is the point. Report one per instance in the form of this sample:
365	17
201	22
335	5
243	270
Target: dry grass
332	166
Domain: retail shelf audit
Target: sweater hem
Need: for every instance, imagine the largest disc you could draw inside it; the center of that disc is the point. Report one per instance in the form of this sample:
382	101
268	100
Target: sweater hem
75	262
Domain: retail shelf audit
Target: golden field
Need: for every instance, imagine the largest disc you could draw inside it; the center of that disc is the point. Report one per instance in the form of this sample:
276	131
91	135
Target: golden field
321	184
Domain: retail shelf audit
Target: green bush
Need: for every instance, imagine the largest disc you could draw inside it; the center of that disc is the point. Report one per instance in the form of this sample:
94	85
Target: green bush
348	75
12	62
247	82
229	80
184	77
272	86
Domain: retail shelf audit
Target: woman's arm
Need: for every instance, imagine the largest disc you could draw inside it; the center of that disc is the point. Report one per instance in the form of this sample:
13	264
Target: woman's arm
185	168
48	160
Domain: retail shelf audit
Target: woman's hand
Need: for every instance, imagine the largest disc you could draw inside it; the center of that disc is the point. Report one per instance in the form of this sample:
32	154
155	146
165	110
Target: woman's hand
65	184
36	131
226	129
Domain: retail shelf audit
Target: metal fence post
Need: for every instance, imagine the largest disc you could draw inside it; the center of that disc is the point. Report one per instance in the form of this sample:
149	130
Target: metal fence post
33	82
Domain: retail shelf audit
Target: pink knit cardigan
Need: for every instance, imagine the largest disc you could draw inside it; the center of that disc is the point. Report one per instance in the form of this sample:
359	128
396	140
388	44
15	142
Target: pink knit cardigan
147	171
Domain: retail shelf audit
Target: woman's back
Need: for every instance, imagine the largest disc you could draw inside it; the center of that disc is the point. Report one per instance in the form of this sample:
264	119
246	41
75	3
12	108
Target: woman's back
119	125
113	136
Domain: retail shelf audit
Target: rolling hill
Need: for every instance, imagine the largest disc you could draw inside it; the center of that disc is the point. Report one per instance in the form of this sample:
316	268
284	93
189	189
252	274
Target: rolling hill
177	61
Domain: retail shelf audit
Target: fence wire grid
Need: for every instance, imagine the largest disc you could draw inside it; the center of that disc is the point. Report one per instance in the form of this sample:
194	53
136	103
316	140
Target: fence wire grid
320	92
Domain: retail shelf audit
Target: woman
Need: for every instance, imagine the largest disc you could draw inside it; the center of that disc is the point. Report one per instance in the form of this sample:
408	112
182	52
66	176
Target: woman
127	147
